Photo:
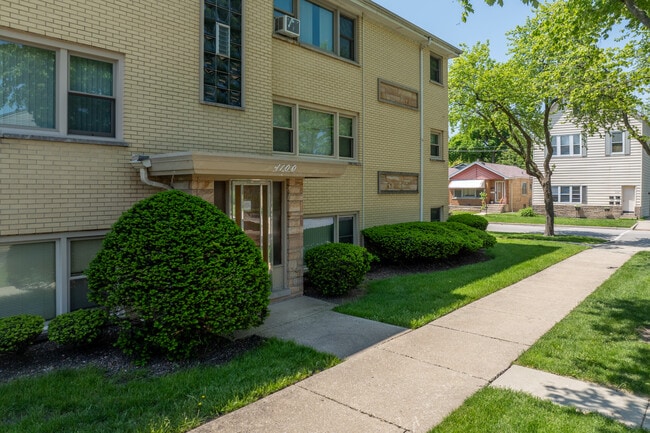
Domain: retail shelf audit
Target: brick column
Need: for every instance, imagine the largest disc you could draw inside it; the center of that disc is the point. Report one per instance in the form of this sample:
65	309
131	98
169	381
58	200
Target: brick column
294	235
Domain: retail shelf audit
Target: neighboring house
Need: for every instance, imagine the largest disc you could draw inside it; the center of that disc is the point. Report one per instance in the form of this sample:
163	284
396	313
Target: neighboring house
507	187
304	121
606	175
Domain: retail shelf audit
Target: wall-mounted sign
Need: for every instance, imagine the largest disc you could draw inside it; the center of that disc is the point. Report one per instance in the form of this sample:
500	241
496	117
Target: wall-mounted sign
397	95
390	182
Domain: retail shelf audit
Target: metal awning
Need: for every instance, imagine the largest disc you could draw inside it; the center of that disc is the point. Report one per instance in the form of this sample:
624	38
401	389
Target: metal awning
467	184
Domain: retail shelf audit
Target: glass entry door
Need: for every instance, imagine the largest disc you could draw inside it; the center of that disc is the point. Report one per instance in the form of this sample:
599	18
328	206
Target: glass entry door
257	209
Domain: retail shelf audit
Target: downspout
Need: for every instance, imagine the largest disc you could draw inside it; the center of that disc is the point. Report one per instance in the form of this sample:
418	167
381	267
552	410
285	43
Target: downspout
362	58
142	162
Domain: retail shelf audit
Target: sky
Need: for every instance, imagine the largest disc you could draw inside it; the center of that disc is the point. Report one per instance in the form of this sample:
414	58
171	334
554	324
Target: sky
443	19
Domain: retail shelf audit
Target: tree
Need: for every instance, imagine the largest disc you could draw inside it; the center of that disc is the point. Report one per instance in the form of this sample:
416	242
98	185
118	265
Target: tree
510	100
607	12
480	145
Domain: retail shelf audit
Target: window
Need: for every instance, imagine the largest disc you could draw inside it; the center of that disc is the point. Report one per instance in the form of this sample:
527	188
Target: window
325	28
317	133
435	69
569	194
81	253
328	229
524	188
467	193
436	141
35	74
45	276
222	52
617	143
436	214
566	145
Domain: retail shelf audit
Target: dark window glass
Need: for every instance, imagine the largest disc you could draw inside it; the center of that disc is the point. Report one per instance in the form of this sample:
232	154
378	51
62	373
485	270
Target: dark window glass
434	69
316	26
222	30
436	213
283	7
282	128
346	38
435	145
91	105
346	230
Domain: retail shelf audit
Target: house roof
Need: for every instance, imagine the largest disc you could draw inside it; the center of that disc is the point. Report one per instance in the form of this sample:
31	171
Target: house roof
501	170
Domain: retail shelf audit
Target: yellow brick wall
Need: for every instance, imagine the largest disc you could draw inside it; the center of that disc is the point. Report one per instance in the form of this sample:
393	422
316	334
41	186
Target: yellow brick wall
92	184
388	134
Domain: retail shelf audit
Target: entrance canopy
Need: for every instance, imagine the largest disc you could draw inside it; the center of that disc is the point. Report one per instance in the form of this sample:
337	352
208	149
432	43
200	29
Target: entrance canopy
467	184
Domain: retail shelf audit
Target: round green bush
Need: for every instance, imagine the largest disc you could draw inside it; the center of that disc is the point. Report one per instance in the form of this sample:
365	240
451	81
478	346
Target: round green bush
476	221
175	271
17	333
77	327
424	242
335	269
527	212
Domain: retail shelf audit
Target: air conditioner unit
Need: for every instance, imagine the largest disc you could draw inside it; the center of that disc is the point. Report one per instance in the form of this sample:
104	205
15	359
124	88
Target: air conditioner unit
287	26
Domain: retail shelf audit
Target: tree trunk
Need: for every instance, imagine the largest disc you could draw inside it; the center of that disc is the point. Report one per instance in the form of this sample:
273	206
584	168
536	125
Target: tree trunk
549	229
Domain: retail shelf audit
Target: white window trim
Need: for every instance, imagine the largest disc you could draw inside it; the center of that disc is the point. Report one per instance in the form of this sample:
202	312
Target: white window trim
336	217
558	139
295	126
440	145
63	52
580	188
625	137
62	259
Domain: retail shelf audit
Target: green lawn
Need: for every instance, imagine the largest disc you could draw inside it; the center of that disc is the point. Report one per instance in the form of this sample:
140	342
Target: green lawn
556	238
415	300
516	219
89	401
501	411
600	340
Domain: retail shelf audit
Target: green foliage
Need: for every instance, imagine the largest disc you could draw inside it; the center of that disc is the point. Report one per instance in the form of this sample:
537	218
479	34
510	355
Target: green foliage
335	269
424	241
77	327
476	221
175	271
527	212
18	332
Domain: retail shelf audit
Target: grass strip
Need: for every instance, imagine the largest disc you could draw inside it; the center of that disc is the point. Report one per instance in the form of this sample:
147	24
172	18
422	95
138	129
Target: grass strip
540	219
494	410
88	401
415	300
557	238
601	340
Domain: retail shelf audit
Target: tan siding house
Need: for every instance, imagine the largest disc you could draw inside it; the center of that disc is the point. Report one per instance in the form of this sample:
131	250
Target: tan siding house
606	175
307	120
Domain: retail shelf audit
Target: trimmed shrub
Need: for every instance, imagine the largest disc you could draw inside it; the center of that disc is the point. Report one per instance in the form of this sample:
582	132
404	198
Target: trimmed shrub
527	212
77	327
175	271
424	241
17	333
476	221
335	269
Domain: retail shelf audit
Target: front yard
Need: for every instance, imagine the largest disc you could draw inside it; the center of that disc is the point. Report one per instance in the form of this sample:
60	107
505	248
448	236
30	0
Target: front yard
604	340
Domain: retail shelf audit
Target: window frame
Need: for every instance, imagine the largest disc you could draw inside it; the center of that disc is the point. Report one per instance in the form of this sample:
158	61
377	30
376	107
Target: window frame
556	191
204	65
609	143
556	144
439	61
62	250
337	222
336	135
464	193
338	14
439	145
63	52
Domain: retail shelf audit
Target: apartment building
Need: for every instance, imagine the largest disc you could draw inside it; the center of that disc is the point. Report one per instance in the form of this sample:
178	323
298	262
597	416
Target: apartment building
303	120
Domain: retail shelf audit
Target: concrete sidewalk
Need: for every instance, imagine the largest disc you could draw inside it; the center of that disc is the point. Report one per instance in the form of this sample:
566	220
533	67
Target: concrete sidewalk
409	382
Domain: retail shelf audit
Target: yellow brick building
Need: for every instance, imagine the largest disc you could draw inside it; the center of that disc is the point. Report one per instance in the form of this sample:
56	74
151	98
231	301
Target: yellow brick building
304	120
